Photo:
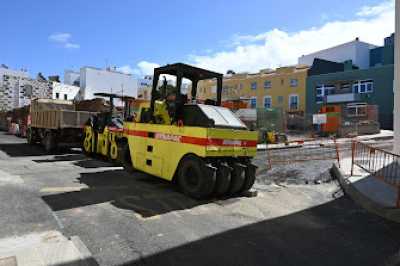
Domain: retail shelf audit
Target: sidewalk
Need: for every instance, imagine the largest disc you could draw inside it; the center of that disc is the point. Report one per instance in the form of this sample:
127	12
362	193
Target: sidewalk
44	249
368	191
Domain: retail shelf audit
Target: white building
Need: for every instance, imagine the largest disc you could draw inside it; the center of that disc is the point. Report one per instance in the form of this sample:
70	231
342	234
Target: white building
71	77
64	91
17	89
356	50
95	80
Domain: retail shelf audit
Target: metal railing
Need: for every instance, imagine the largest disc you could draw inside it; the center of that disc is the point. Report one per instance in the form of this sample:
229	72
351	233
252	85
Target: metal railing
379	163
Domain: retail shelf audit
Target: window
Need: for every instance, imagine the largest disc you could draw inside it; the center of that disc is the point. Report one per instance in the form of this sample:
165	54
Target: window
253	102
357	110
57	95
329	90
280	99
267	84
65	97
320	94
322	91
267	102
293	102
254	85
364	86
294	82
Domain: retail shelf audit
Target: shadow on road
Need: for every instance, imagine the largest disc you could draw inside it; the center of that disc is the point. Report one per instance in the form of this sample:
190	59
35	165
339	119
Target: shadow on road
336	233
94	163
62	158
24	149
79	160
146	195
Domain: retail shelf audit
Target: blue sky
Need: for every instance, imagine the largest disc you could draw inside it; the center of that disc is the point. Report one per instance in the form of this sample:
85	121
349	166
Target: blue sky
50	36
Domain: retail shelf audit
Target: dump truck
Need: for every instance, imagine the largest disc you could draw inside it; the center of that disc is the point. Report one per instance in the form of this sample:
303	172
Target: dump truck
204	148
55	123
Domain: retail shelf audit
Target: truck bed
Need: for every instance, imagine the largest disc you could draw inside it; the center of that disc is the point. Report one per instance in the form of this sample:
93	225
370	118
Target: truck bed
59	119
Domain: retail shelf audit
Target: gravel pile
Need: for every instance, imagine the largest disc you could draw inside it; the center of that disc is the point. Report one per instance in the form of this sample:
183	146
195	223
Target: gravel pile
298	173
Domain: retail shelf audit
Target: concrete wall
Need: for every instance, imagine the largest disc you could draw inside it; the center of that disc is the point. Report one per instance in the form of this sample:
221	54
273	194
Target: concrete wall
93	80
382	95
71	77
356	51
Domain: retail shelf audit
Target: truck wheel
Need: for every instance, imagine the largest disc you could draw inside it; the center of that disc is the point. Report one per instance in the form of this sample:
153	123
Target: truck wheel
126	159
30	138
250	174
49	143
195	178
237	178
223	180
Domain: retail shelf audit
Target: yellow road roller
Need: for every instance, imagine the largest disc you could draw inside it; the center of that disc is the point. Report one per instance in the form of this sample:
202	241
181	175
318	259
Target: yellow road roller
202	147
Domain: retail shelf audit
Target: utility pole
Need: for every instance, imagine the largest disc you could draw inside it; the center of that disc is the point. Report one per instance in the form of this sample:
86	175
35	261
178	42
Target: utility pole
396	89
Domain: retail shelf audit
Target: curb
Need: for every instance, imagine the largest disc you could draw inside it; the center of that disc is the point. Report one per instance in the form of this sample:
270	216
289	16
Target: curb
391	214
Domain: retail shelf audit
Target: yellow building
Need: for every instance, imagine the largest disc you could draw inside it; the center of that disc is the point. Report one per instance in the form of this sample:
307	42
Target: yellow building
283	88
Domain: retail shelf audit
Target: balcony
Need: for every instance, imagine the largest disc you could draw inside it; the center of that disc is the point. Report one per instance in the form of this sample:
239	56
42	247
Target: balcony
343	98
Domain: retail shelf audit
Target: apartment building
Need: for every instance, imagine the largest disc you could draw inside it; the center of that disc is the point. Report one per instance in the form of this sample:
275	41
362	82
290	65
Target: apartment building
64	91
17	88
282	88
333	83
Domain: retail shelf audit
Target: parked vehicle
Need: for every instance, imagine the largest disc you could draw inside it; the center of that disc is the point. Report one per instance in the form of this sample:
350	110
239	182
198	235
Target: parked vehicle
55	123
204	148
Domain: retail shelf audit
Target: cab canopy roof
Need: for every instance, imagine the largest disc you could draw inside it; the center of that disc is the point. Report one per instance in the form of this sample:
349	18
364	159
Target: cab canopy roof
186	71
112	95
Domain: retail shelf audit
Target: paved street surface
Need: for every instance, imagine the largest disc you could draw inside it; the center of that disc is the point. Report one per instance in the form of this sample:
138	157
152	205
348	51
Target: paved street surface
140	220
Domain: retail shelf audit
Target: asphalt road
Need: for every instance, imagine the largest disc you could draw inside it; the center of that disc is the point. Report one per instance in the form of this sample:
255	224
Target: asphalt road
140	220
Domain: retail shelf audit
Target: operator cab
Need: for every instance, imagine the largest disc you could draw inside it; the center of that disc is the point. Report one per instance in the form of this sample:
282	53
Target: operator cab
170	105
112	118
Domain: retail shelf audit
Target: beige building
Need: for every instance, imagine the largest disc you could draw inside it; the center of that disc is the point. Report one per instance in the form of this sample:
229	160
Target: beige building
283	88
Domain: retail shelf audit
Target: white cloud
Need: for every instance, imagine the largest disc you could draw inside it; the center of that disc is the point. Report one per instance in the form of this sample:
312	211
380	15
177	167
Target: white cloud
276	47
60	37
72	45
146	68
385	6
64	40
127	69
143	68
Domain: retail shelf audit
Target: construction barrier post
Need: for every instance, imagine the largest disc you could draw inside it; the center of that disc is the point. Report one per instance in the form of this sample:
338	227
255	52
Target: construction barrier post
337	151
353	149
398	197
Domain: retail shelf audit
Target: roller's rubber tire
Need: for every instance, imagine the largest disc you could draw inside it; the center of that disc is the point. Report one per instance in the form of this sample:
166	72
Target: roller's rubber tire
250	175
195	178
237	178
49	143
87	143
223	180
126	159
